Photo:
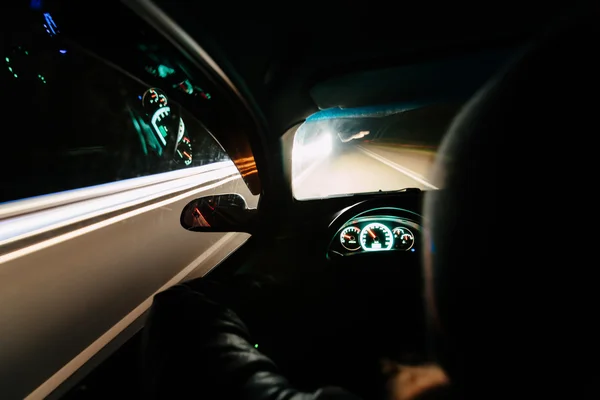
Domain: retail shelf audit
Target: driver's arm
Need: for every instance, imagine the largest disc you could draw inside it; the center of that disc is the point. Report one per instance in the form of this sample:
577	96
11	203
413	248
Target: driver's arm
196	348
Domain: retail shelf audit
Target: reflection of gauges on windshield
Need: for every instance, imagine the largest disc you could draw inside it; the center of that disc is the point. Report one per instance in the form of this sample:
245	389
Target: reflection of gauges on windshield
375	237
160	121
403	239
154	98
181	130
349	238
183	153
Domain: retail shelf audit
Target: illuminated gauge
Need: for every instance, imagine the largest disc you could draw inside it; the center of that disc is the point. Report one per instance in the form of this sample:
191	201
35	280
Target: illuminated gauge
154	98
403	239
184	151
376	237
349	238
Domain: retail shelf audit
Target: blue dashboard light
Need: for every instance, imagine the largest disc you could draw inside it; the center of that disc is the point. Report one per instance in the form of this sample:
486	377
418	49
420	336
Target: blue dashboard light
51	25
413	250
63	51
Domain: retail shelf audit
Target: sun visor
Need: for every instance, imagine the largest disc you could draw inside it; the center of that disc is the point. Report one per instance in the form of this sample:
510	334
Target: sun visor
453	79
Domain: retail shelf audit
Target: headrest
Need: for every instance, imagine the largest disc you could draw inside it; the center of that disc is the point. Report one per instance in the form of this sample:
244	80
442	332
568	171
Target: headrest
513	148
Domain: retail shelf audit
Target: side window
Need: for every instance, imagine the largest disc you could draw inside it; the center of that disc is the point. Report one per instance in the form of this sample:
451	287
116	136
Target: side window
82	109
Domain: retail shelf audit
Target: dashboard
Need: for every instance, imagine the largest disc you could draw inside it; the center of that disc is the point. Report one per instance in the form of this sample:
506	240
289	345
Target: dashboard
376	230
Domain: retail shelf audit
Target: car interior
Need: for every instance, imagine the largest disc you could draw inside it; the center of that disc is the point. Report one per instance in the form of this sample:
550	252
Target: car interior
337	281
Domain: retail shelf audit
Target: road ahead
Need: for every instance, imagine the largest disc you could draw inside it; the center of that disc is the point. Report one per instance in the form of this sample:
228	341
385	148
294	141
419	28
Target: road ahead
366	168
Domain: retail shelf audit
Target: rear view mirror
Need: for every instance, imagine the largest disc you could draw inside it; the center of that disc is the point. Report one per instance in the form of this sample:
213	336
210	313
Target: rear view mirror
218	213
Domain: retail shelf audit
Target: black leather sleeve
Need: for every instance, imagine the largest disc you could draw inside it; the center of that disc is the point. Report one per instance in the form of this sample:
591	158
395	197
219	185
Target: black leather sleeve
196	348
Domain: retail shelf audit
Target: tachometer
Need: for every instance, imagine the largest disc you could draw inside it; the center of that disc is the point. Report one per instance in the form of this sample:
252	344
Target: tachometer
184	151
403	239
349	238
376	237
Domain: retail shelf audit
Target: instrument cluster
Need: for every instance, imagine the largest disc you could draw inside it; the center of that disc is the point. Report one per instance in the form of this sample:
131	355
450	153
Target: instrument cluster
369	233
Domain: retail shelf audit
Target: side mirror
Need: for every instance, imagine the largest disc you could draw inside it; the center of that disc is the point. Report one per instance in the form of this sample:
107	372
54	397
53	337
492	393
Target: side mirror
218	213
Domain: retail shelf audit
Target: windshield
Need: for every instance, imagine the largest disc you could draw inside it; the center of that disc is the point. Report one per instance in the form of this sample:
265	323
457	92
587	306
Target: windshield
369	149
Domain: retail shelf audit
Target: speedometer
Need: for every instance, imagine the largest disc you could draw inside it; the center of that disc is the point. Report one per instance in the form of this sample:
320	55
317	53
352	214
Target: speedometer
376	237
